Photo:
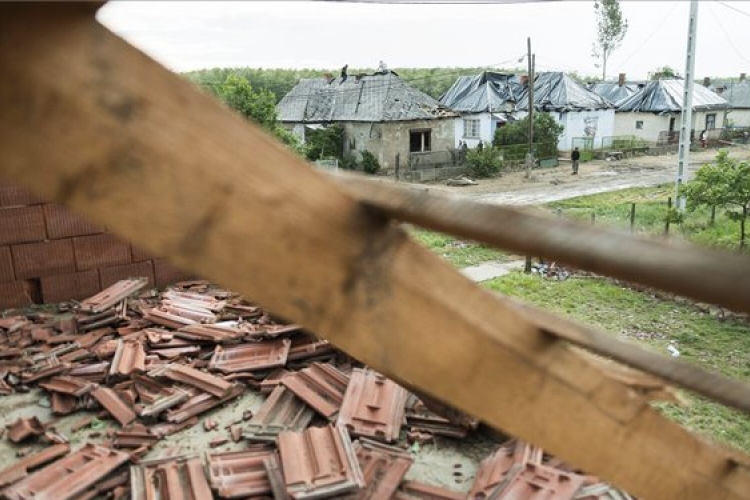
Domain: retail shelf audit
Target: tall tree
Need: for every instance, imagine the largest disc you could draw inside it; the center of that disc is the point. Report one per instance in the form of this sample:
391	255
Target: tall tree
611	28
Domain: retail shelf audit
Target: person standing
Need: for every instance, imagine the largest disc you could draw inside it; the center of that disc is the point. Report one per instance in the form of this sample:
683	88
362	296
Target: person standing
575	156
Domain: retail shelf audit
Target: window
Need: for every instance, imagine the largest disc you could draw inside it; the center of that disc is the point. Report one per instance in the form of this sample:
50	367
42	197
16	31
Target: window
639	124
671	124
420	140
710	121
471	129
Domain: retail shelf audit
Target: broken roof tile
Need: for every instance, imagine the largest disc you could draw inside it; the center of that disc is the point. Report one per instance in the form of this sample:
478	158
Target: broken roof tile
373	406
318	462
534	481
250	357
413	490
383	468
24	428
116	407
321	386
129	357
68	476
240	474
200	403
65	384
21	468
195	378
174	479
112	295
282	411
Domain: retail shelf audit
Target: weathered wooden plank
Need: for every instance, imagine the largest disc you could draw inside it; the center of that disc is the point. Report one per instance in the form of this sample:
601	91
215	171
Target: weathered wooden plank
707	275
118	138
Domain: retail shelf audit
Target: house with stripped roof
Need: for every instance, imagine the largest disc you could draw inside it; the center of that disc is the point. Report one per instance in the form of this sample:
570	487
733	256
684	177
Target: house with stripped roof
737	94
379	113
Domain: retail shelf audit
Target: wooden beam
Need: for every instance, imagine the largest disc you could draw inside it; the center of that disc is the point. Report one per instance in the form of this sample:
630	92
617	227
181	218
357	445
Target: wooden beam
706	275
91	122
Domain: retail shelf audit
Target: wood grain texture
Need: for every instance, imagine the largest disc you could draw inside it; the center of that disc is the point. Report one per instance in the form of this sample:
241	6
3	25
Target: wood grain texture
135	147
707	275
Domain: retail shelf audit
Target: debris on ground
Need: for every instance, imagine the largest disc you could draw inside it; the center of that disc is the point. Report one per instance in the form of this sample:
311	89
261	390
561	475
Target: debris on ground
461	181
139	368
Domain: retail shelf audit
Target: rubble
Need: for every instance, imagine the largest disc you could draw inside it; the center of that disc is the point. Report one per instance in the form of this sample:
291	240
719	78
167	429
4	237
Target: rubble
155	364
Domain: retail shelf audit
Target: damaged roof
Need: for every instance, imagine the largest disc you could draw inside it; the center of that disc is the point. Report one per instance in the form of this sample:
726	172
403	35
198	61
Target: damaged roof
557	91
665	96
363	98
486	92
613	91
738	95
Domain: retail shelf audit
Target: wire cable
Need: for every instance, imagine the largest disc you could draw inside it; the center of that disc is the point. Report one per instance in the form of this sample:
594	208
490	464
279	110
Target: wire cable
726	34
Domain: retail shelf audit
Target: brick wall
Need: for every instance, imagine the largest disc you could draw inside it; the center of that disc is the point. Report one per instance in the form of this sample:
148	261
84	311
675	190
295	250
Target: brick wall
49	254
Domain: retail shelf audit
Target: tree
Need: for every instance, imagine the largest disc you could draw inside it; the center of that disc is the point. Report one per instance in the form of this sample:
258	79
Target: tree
546	131
664	72
484	162
327	142
725	183
611	28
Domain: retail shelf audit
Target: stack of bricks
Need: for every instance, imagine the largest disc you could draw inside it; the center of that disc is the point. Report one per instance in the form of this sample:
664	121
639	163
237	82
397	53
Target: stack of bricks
49	254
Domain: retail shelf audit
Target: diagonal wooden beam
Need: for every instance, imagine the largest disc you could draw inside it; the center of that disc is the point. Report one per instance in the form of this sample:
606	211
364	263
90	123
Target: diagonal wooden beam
707	275
91	122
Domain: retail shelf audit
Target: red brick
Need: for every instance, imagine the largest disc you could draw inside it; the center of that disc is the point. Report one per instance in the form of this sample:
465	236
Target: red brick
71	286
166	274
62	223
21	225
14	294
100	250
139	254
34	260
6	265
111	275
12	195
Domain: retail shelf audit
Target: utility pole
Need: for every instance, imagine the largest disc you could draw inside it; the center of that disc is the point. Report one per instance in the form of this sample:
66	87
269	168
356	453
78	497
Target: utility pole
686	119
530	155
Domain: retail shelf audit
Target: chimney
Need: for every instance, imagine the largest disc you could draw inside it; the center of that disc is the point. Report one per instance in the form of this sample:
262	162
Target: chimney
743	77
621	79
524	79
706	81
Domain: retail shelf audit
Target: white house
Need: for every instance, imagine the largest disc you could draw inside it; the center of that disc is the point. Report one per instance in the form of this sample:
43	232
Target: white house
484	103
585	115
653	113
737	94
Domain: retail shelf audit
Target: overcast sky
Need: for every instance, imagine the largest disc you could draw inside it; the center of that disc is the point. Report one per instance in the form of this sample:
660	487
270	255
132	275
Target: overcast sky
194	35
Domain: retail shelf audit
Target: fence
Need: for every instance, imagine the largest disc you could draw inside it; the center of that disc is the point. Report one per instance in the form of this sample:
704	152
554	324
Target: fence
518	152
330	165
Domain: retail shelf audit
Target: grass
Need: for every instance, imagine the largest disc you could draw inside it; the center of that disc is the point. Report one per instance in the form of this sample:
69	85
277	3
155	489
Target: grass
720	346
613	209
458	252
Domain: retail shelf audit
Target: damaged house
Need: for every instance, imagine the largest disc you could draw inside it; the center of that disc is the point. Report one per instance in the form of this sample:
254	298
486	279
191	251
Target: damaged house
583	113
737	94
484	102
615	91
379	113
653	113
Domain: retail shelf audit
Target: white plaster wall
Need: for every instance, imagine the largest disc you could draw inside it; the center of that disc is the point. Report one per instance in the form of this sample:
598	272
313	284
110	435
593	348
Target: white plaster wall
654	124
596	123
740	117
486	129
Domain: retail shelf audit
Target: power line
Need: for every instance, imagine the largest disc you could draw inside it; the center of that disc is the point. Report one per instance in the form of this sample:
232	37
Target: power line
732	7
726	34
650	36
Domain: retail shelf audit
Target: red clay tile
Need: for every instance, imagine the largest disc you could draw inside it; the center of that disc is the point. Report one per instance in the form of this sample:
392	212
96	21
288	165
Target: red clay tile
321	386
200	403
22	225
64	223
211	384
282	411
240	474
34	260
534	481
250	357
319	462
413	490
373	406
69	476
12	195
176	479
100	250
24	428
21	468
72	386
111	275
112	295
114	405
383	468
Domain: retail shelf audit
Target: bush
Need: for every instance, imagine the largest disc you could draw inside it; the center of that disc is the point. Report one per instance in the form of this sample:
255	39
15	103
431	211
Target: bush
370	163
325	142
483	163
587	156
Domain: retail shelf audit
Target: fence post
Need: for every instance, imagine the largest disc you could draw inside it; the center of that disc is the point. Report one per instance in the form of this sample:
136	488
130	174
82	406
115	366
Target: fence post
593	218
713	214
398	162
669	215
632	217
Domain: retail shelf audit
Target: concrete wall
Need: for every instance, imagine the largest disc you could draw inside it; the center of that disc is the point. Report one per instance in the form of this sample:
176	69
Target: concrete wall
653	124
49	254
387	139
486	129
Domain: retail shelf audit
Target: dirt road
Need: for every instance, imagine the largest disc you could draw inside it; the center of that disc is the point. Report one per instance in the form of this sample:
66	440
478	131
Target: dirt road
553	184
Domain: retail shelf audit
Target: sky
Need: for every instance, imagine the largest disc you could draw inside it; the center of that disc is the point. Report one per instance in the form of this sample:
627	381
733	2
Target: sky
289	34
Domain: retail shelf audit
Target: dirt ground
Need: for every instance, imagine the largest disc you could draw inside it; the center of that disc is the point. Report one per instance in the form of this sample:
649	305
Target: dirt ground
598	176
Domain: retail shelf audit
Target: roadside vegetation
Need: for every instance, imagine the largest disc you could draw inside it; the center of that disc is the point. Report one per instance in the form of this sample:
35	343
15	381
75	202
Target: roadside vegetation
458	252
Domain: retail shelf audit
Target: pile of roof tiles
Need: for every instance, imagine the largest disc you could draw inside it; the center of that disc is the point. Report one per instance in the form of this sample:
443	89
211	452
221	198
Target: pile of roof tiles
154	363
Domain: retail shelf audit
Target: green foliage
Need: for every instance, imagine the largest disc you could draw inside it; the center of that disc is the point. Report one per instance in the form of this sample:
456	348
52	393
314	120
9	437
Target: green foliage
587	156
325	142
483	163
458	252
664	72
611	28
724	183
546	131
370	163
239	95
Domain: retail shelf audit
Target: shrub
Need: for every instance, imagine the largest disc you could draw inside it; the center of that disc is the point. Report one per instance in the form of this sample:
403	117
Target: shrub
370	163
483	163
587	156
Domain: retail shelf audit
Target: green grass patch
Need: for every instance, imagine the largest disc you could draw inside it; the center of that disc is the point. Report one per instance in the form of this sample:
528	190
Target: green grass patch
613	210
458	252
720	346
